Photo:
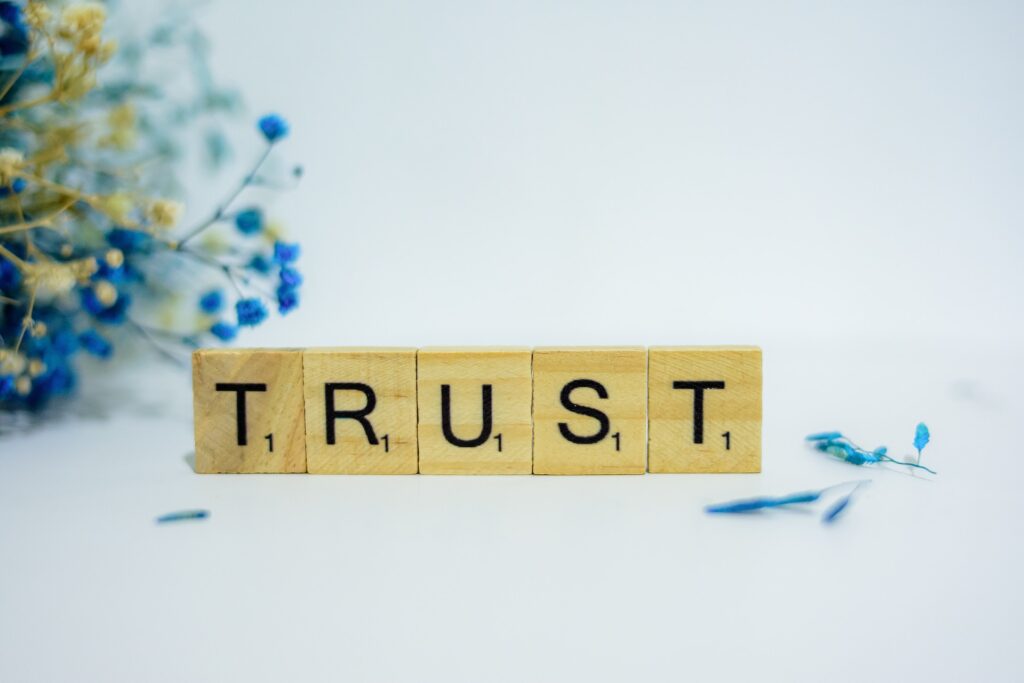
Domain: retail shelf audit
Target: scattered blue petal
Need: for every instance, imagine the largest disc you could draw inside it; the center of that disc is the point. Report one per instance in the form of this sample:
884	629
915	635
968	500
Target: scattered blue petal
921	437
182	515
129	241
835	510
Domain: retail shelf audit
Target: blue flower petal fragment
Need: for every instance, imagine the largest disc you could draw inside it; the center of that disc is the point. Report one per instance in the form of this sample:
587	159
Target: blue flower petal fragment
273	127
837	508
921	438
752	504
251	312
182	516
837	445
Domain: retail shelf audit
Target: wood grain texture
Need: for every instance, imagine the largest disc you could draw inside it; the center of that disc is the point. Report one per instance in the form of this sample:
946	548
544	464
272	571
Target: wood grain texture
273	406
466	371
734	409
622	372
388	379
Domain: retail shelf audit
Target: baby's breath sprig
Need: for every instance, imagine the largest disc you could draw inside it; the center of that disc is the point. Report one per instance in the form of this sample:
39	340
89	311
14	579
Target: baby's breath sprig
89	256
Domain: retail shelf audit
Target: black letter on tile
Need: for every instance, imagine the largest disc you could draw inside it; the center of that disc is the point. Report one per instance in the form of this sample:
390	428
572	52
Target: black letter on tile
357	415
240	390
698	404
602	419
446	419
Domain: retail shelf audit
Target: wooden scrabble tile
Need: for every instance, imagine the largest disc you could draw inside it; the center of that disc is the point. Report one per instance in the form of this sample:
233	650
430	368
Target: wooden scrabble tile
248	410
590	410
705	409
360	410
474	411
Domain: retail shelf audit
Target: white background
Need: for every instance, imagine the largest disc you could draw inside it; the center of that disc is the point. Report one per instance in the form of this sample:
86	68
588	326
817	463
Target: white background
839	183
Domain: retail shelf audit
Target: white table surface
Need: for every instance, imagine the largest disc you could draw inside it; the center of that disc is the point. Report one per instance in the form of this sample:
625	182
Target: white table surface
416	578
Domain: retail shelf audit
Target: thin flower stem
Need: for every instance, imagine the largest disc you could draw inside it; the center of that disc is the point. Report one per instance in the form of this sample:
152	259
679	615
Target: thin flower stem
222	209
148	337
28	317
38	222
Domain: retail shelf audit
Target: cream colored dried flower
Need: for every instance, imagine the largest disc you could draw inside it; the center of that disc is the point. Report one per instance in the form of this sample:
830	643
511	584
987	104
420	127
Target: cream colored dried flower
50	279
36	367
11	362
117	206
106	293
23	385
82	20
11	161
114	258
164	213
37	14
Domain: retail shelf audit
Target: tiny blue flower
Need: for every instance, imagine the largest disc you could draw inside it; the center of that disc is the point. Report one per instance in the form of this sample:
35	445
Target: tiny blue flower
211	302
273	127
6	386
260	264
15	188
115	314
249	221
94	343
290	278
251	312
287	299
224	331
285	253
129	241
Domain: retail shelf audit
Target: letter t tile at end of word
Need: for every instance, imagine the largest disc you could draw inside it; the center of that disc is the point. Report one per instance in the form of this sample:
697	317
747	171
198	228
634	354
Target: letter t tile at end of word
705	409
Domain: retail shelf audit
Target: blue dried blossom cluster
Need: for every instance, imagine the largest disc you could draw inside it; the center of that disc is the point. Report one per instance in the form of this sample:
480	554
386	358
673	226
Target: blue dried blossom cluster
91	251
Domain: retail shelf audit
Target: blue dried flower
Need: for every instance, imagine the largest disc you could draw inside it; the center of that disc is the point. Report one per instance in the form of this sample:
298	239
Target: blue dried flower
224	331
287	299
93	342
285	253
6	386
290	278
249	221
129	241
211	302
14	34
15	188
259	263
114	314
251	312
273	127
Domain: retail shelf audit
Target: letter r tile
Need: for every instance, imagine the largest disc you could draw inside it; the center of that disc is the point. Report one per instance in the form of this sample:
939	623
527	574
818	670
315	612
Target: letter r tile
360	410
248	410
705	409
